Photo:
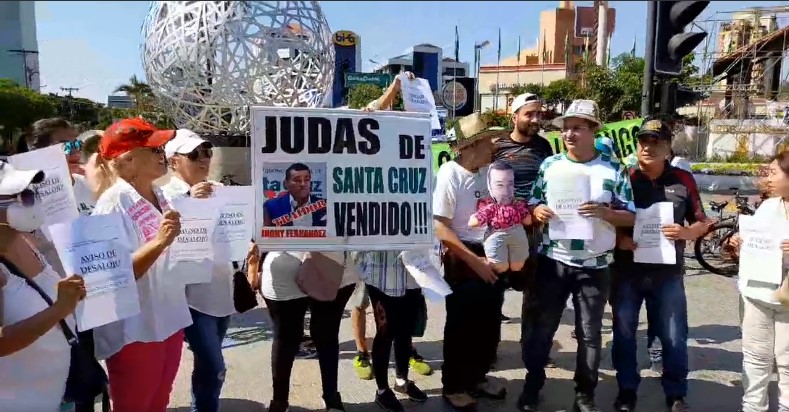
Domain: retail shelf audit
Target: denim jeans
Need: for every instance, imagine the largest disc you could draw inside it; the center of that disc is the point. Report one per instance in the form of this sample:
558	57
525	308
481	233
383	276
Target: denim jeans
205	336
554	282
666	295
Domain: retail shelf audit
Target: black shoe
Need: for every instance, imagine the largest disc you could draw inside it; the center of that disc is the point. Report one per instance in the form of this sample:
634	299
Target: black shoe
334	403
551	364
275	406
625	401
410	390
388	401
584	403
528	402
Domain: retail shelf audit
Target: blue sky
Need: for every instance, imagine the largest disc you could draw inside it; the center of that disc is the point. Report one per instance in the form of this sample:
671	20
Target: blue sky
96	45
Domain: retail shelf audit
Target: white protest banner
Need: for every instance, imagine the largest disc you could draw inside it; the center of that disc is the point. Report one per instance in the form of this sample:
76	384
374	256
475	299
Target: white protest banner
378	169
417	97
761	257
236	225
192	252
55	192
92	247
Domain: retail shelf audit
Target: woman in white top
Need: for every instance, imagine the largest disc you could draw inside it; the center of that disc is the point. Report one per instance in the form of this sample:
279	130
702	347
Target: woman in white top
34	354
287	305
765	321
142	352
211	304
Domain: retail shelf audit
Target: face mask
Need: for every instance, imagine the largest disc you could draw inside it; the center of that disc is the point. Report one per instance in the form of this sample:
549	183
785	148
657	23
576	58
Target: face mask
23	218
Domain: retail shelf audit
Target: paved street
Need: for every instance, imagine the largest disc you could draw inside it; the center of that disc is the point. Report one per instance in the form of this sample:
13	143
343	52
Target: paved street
714	360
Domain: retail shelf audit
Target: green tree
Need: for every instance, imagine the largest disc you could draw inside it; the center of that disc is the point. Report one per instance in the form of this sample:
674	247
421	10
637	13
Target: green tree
628	77
84	113
139	90
20	107
533	88
108	116
361	95
560	92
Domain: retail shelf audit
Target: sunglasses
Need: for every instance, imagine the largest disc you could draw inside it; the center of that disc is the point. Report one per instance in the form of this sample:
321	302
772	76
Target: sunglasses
26	197
203	152
72	146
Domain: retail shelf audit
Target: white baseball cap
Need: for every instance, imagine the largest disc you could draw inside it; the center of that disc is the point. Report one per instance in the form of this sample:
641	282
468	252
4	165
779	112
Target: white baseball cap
13	181
522	100
184	142
582	109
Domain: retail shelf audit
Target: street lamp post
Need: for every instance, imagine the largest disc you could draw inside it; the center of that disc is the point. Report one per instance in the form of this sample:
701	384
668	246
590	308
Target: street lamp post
477	62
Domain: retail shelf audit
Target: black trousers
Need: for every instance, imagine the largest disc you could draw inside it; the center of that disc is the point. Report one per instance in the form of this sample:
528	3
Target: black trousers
554	282
473	325
288	319
395	317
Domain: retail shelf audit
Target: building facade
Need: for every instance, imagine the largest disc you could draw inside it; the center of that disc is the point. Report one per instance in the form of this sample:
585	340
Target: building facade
567	34
18	43
347	59
426	61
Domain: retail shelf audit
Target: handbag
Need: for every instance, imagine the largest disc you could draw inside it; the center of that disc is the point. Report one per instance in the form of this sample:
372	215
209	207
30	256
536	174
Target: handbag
243	296
86	378
319	276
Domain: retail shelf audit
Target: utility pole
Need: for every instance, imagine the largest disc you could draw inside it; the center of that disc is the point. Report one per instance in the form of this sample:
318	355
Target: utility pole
69	99
69	90
24	53
649	59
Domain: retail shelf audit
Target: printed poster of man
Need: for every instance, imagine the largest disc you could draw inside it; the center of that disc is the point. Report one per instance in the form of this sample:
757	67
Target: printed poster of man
332	179
302	203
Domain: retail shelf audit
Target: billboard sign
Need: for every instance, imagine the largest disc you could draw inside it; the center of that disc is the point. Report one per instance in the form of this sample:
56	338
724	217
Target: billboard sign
378	79
345	38
454	95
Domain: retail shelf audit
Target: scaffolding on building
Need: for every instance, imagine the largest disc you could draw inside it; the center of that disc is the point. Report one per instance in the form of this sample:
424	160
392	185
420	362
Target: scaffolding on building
742	73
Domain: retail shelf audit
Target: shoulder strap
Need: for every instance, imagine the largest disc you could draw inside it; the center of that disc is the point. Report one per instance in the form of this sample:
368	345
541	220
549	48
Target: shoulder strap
67	332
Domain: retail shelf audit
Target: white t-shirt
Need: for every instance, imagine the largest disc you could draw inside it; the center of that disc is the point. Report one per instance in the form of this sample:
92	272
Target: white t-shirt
163	307
278	279
214	298
455	196
84	196
772	210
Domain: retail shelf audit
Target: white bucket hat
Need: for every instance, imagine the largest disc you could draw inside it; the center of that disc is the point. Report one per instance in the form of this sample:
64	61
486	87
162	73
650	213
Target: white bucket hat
13	181
582	109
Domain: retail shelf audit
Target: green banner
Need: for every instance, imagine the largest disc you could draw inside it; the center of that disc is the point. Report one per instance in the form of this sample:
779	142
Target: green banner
623	133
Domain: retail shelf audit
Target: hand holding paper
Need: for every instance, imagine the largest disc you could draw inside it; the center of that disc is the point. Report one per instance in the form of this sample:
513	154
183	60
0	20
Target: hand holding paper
653	245
761	254
71	291
96	249
170	228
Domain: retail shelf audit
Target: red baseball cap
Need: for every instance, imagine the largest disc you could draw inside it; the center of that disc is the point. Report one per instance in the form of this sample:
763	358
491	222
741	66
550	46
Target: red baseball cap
129	134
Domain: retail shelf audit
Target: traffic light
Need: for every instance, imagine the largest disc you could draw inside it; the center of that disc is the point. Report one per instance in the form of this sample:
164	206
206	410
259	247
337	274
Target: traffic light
672	43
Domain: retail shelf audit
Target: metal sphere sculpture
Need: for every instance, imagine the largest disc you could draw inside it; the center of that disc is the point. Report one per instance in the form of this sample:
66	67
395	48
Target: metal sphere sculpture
207	61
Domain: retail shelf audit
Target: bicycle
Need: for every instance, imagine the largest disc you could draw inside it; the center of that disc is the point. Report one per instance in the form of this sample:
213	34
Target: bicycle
714	243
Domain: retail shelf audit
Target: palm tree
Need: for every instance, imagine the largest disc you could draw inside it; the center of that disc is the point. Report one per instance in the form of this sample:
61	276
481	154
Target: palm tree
138	89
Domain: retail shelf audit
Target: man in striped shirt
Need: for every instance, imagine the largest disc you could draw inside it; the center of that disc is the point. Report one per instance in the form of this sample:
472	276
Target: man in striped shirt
577	267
